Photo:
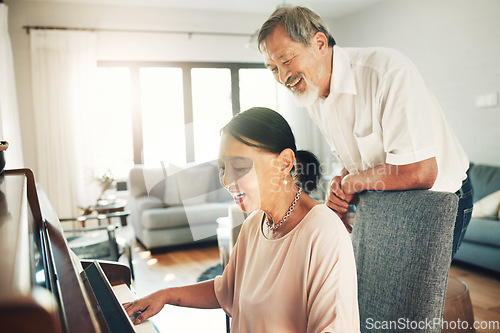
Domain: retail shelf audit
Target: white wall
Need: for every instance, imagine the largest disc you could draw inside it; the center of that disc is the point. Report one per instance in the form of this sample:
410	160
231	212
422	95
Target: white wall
128	45
454	43
456	46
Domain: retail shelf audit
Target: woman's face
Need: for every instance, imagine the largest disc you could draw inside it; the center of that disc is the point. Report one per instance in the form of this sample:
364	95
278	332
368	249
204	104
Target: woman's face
251	175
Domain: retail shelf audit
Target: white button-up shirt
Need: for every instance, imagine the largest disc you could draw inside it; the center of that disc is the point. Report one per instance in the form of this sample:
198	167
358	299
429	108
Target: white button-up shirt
379	110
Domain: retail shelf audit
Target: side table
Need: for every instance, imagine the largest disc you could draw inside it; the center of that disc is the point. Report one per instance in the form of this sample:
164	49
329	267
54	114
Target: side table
109	207
457	307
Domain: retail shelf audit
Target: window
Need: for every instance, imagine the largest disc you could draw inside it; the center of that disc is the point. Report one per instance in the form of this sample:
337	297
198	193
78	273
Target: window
212	109
162	110
172	112
257	88
111	123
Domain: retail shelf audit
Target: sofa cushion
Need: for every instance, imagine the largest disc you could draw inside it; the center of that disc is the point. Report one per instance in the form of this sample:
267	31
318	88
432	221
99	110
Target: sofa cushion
159	238
144	203
191	185
485	180
487	207
483	231
182	216
479	255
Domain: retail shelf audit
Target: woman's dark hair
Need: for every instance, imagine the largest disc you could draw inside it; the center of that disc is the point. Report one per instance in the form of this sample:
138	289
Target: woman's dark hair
266	129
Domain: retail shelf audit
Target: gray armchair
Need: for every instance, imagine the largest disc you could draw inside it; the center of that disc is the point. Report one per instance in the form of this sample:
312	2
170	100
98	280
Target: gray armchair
402	243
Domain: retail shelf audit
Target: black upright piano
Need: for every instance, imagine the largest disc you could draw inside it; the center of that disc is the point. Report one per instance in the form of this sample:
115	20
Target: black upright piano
42	288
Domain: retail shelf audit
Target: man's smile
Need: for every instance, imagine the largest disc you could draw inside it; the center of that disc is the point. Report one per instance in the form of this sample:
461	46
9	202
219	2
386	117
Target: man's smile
293	82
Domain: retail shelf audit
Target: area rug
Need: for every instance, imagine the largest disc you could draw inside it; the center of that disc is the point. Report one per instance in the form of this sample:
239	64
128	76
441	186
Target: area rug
210	273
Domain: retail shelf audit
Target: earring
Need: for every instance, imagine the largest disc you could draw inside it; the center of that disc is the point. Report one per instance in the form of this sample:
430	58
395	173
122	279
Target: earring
285	182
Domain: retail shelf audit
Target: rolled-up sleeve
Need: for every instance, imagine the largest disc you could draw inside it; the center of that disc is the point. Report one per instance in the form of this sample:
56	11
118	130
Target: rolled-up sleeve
406	118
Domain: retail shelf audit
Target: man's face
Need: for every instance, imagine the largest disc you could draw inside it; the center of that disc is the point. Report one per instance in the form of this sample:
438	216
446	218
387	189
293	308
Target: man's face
297	67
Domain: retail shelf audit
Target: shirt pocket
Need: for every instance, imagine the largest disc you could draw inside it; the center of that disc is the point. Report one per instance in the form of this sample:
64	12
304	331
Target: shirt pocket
371	149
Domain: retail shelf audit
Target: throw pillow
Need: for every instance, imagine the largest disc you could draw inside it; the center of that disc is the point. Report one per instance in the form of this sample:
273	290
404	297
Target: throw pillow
153	178
171	196
488	206
189	185
195	182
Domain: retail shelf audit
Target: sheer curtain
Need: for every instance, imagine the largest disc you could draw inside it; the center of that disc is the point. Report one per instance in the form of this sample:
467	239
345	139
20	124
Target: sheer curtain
63	68
9	113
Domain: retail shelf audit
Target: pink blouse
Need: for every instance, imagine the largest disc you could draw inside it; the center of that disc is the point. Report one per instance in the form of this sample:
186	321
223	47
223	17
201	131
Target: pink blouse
302	282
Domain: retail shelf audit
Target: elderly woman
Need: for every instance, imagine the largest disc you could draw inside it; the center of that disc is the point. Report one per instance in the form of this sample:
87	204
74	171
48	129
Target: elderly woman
292	268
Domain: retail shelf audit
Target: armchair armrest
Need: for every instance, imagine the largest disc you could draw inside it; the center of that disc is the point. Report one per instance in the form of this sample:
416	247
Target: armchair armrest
145	202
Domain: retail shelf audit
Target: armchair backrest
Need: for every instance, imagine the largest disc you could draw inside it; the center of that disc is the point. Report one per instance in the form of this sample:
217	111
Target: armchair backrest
402	243
194	184
145	181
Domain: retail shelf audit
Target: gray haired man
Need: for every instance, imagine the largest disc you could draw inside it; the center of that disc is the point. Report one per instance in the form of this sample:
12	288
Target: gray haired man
373	108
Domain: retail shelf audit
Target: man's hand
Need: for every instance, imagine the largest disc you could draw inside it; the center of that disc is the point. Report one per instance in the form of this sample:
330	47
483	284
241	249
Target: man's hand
351	184
336	198
339	201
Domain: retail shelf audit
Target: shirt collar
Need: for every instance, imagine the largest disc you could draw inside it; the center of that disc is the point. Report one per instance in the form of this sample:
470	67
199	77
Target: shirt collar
342	81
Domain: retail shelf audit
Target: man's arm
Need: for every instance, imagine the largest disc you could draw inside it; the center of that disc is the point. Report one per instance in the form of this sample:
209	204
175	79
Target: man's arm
386	177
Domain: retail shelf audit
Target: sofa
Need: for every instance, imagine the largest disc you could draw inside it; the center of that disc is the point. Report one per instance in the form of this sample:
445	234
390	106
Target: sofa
481	243
172	206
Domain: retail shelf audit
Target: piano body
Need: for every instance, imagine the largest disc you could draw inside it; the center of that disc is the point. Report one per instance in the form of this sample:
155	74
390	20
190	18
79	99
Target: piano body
41	285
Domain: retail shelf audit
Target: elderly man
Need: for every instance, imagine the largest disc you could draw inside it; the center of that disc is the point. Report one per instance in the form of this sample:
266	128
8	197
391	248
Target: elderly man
373	108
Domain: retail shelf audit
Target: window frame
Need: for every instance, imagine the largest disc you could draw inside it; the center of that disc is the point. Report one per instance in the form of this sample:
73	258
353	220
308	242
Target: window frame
134	68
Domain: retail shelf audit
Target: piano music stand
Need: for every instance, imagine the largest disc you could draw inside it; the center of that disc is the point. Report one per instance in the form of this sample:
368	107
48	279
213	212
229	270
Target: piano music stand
108	309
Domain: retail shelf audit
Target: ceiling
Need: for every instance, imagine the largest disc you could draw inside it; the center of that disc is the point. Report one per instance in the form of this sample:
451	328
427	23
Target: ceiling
326	8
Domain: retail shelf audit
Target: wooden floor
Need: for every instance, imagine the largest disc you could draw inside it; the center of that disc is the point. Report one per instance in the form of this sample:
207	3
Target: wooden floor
183	266
484	291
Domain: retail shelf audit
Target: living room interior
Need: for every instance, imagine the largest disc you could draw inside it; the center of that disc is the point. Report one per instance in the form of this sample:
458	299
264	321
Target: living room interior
157	79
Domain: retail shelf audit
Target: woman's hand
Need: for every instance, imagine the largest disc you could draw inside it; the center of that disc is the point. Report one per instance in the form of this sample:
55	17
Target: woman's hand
200	295
148	306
